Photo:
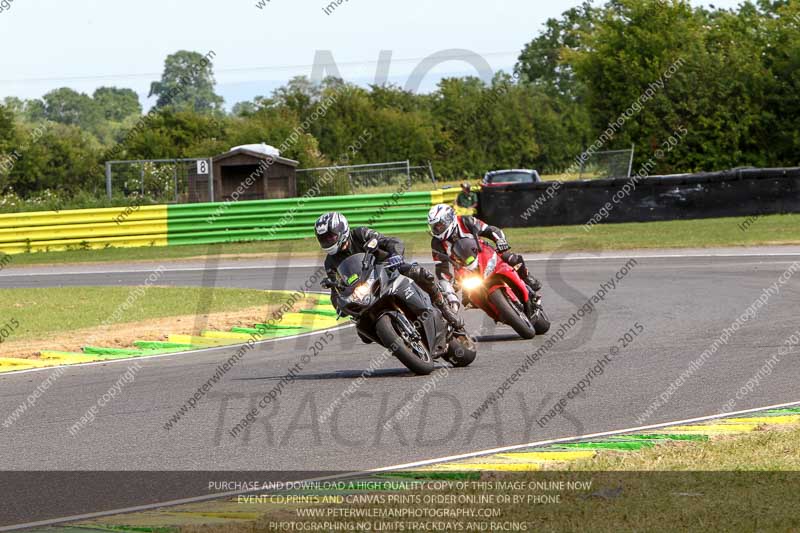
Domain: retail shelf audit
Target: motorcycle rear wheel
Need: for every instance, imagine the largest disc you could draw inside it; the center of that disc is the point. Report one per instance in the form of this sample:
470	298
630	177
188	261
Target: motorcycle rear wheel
461	352
542	322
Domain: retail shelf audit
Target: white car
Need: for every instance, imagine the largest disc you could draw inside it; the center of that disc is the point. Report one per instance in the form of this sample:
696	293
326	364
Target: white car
508	177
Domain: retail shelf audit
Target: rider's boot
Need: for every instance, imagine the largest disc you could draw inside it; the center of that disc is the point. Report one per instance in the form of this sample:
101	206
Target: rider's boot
528	278
533	283
452	318
534	286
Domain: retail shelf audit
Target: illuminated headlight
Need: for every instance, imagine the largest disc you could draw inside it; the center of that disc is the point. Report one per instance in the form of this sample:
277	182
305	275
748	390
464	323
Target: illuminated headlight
490	266
362	291
471	283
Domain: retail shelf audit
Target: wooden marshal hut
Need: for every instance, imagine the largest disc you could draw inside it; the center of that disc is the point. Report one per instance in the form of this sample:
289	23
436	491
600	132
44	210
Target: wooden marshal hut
232	169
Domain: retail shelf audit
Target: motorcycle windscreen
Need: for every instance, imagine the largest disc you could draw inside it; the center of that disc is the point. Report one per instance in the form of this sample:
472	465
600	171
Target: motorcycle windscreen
351	272
466	251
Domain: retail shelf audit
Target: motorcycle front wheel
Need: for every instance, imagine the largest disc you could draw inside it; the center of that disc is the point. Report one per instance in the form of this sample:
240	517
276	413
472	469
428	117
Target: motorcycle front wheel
511	315
412	353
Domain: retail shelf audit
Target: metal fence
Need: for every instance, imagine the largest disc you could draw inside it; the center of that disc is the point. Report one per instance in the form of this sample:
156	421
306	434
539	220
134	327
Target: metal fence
608	164
169	181
181	181
372	178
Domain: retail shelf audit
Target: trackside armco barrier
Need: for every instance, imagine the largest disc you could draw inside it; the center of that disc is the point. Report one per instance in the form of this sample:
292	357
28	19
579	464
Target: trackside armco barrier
169	225
733	193
83	229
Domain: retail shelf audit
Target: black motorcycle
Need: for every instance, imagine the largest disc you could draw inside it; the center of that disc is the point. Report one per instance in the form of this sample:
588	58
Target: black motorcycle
393	311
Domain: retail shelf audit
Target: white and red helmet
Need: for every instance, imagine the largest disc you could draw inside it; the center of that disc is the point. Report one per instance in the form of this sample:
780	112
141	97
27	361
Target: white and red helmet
442	221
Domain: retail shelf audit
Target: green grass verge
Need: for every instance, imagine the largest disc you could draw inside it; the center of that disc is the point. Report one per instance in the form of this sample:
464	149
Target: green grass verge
40	312
741	483
421	186
771	450
118	255
703	233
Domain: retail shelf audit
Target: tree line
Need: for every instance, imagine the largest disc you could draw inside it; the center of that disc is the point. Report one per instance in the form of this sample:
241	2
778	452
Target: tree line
579	84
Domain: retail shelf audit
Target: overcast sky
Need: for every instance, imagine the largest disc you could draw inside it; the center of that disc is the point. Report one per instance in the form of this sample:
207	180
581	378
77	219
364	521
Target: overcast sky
84	44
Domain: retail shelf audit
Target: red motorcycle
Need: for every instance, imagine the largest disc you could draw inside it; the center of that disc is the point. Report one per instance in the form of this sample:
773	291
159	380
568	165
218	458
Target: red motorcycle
491	284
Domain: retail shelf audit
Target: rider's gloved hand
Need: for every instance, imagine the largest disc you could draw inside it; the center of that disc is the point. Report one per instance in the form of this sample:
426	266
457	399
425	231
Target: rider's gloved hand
395	261
502	245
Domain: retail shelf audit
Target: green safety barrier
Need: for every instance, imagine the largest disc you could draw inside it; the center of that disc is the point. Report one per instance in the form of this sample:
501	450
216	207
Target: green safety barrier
293	218
209	223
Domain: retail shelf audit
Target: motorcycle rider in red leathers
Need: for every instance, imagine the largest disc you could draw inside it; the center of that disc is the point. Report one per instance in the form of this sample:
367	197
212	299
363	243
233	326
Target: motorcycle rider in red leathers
446	228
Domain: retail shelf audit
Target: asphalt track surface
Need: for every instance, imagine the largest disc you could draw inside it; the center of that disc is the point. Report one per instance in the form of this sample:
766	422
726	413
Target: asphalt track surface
683	299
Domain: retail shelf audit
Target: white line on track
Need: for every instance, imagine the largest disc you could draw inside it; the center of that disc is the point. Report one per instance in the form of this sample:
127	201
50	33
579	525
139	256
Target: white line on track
19	272
401	467
660	256
582	437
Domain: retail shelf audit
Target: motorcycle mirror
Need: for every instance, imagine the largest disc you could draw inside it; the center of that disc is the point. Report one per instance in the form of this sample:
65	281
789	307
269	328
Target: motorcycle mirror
445	258
368	260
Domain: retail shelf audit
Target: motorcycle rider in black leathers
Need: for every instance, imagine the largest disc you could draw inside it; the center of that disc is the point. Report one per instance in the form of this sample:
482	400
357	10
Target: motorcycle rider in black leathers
447	228
340	242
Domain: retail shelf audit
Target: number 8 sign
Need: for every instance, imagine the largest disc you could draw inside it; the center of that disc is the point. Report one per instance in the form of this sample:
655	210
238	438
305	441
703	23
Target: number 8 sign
202	167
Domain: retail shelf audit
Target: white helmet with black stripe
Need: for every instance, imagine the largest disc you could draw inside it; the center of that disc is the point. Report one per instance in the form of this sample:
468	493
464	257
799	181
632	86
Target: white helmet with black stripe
442	221
332	231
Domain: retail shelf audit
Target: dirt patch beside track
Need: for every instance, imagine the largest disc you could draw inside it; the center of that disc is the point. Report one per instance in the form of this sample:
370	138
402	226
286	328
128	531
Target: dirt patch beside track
124	335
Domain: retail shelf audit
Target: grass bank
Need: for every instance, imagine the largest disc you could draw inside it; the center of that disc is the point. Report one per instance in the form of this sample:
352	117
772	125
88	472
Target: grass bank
739	483
743	482
42	312
703	233
774	449
68	319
